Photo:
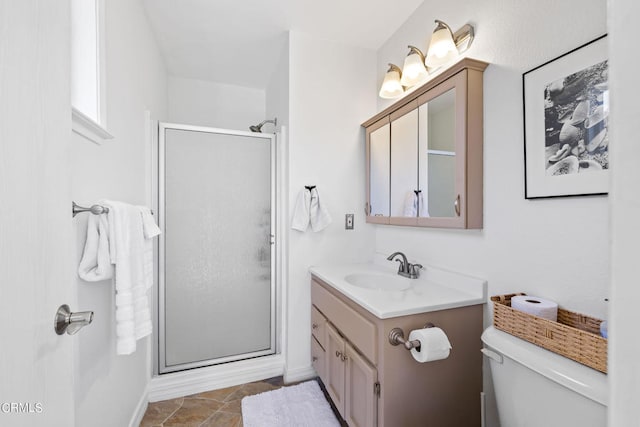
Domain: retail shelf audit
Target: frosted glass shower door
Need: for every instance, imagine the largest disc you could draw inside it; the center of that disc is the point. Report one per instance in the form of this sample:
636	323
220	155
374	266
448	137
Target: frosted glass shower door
216	282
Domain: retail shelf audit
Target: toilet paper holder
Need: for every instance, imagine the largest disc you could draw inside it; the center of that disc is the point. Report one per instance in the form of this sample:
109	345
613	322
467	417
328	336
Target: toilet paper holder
396	337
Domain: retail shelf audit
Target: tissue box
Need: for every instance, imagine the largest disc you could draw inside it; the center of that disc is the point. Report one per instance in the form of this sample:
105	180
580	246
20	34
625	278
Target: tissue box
574	335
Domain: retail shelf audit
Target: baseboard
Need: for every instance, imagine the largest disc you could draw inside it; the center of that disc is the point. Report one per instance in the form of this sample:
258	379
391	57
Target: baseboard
299	374
141	408
178	384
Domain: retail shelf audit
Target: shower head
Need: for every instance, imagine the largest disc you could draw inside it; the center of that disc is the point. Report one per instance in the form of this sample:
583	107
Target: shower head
258	128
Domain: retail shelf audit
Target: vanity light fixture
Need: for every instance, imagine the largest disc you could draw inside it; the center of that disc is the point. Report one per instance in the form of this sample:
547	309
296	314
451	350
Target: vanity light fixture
391	86
414	72
446	45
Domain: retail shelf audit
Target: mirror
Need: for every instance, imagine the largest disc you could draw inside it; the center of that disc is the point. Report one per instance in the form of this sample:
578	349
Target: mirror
404	165
379	173
437	158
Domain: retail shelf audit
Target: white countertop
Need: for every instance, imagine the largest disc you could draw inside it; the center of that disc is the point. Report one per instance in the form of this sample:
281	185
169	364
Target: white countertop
436	289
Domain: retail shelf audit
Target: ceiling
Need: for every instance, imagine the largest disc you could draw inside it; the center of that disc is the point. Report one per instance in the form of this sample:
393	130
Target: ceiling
240	41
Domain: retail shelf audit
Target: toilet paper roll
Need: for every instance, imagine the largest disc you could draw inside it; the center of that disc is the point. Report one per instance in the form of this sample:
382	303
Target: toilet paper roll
537	306
434	344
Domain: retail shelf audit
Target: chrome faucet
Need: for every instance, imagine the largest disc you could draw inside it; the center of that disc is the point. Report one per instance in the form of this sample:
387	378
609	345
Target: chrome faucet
406	269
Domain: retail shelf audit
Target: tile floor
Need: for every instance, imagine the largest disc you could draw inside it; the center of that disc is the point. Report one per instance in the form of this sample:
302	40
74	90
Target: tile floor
219	408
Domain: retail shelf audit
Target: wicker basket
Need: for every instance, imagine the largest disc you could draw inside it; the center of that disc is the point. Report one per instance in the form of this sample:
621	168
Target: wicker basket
574	335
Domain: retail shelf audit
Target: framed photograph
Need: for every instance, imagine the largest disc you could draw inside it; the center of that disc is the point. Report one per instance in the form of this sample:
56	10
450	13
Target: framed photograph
566	114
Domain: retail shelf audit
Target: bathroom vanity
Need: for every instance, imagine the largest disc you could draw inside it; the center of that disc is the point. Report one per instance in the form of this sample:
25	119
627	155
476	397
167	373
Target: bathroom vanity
371	381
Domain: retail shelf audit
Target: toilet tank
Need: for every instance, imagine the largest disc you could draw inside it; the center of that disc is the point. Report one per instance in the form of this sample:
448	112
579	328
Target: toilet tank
535	387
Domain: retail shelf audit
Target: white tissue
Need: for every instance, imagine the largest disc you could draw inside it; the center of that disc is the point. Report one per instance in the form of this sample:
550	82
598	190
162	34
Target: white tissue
434	344
537	306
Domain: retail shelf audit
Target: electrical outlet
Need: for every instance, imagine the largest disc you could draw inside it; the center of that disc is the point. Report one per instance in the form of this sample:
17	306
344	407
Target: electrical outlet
348	221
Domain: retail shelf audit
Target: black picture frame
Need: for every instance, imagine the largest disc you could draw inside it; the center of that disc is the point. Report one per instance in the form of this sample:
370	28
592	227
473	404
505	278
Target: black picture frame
566	109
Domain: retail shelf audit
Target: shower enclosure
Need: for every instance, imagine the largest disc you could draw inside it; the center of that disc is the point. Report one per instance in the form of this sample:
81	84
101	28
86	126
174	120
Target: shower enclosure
216	296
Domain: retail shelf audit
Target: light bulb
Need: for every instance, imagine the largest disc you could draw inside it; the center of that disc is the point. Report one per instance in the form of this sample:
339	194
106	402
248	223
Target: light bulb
414	71
391	86
442	49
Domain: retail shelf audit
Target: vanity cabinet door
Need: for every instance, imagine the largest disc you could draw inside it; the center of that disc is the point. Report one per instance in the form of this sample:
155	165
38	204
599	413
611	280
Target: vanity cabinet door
335	368
404	164
318	326
318	359
360	394
450	153
378	161
442	154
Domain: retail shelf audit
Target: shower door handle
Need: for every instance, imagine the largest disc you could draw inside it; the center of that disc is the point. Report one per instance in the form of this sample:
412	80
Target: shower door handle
272	239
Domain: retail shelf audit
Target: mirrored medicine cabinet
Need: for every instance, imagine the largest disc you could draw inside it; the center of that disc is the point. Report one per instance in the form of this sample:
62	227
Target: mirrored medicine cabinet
424	154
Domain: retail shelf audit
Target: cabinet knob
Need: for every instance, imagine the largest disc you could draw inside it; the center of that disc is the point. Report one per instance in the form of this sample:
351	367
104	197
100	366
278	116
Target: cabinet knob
314	359
456	205
343	357
338	353
314	326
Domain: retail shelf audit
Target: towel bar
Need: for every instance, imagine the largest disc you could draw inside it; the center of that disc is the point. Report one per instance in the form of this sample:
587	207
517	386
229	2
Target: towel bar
94	209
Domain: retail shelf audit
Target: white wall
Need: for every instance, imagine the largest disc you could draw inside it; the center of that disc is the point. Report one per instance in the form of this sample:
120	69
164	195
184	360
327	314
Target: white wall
109	387
326	149
204	103
554	248
624	348
277	92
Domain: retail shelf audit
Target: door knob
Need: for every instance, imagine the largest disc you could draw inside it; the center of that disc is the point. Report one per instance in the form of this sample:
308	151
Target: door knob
66	321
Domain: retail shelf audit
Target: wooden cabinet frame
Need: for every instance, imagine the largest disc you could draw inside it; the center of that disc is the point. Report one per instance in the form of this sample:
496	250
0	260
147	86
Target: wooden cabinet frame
466	77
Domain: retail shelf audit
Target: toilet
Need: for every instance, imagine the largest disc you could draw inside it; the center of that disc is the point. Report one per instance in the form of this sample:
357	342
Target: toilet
535	387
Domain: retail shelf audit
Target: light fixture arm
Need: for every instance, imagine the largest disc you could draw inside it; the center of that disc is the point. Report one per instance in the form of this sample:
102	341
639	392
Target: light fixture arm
413	49
394	67
441	25
463	37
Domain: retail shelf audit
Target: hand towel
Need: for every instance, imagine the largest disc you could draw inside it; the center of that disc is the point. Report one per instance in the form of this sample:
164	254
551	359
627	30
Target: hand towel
149	226
301	218
318	214
410	205
423	206
150	230
127	243
95	264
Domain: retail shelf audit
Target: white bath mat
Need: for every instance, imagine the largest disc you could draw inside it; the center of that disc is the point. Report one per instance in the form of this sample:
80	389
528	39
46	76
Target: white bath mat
302	405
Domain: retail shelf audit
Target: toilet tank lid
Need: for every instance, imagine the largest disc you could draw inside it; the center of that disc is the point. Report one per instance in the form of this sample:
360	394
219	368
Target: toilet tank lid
573	375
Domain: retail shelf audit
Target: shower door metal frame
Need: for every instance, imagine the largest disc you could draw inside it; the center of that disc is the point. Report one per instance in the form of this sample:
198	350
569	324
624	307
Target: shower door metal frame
162	366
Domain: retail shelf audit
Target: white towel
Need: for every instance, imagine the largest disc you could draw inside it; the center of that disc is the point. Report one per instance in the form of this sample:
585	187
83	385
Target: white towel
423	206
414	202
149	226
301	218
95	264
150	230
318	214
127	249
410	207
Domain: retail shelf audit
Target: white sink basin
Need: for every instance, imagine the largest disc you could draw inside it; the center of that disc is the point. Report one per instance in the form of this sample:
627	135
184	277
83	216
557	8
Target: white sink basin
379	282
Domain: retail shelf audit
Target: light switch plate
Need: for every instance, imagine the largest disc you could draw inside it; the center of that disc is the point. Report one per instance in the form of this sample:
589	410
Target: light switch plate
348	221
